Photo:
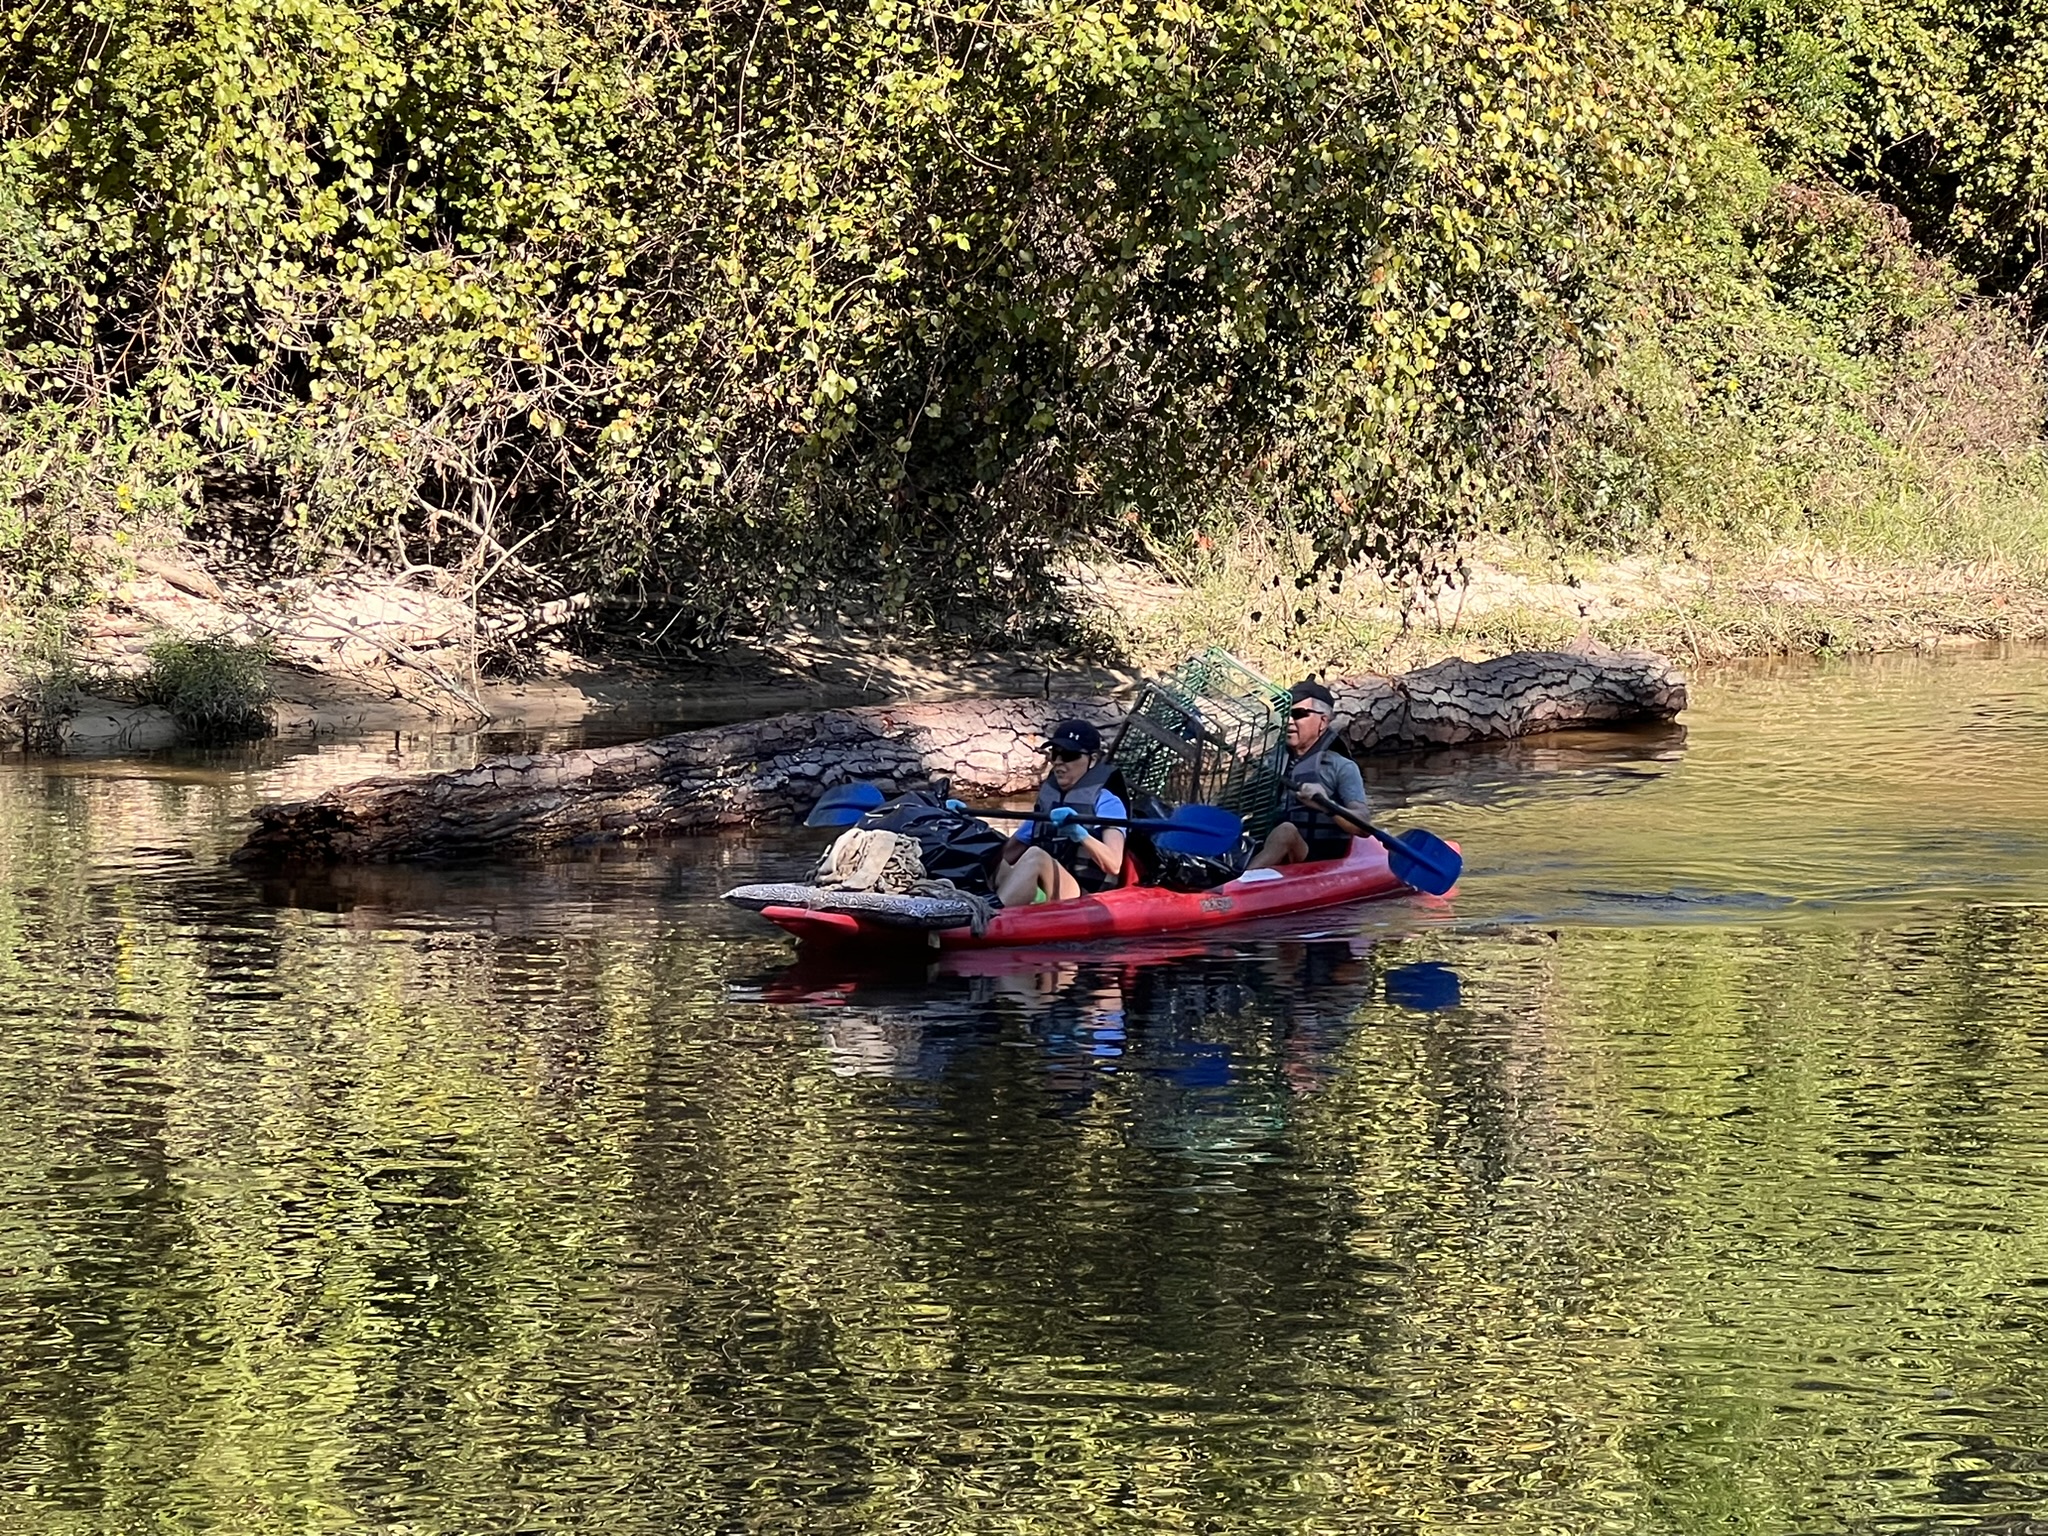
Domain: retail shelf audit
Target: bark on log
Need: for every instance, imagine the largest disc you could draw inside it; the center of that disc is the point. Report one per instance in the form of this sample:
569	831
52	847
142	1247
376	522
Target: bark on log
773	770
1517	695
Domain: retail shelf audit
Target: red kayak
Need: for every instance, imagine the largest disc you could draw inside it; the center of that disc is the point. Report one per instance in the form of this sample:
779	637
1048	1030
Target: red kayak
1131	911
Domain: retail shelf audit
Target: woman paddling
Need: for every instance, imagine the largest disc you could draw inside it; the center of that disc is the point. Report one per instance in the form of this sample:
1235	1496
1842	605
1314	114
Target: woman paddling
1059	855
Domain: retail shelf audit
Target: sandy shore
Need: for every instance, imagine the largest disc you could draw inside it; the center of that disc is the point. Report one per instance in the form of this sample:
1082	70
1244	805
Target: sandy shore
360	653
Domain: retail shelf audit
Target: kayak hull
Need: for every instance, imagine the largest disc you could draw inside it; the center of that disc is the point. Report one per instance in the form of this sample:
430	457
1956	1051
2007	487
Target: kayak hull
1127	912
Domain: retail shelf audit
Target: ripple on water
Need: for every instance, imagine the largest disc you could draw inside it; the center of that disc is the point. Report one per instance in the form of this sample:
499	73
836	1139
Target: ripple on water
1686	1173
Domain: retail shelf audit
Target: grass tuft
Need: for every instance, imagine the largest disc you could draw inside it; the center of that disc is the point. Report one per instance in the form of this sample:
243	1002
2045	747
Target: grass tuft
212	685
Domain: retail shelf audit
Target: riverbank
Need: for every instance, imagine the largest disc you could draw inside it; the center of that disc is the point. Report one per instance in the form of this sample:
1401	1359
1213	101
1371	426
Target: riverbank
357	651
1698	609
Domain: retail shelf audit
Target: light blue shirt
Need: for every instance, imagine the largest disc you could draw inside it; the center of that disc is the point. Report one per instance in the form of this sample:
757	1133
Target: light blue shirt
1106	804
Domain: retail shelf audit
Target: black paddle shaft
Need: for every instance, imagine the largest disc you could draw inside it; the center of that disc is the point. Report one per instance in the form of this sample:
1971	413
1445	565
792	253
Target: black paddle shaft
1328	803
1440	863
1151	824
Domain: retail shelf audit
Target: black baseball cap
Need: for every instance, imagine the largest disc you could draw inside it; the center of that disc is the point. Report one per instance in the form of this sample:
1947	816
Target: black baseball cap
1308	688
1075	736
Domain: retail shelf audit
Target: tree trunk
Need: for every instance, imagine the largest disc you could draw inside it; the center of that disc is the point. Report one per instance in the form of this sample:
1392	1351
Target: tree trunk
773	770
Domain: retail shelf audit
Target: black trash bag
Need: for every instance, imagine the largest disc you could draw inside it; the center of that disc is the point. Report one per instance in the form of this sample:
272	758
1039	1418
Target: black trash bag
954	845
1179	871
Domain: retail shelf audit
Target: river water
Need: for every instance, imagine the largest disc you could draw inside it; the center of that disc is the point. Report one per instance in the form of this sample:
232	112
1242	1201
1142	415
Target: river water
1687	1172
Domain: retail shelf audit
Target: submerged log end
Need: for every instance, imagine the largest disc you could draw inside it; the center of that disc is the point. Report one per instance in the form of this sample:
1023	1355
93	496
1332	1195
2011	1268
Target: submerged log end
337	827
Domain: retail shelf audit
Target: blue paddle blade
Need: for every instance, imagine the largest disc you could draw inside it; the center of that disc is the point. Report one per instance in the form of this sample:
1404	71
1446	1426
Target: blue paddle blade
844	805
1207	831
1205	845
1213	819
1423	860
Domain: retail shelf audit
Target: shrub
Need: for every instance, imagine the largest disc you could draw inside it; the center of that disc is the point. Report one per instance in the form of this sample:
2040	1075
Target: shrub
41	680
212	685
748	303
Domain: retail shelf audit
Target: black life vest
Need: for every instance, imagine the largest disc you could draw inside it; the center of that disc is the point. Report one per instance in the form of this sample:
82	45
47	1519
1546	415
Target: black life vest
1082	797
1315	826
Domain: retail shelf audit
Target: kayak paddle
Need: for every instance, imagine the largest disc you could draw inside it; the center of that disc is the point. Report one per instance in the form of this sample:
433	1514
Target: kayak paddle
1417	858
1208	831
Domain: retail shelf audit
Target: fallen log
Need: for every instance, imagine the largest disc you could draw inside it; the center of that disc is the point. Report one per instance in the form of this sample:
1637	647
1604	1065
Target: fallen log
1522	694
773	770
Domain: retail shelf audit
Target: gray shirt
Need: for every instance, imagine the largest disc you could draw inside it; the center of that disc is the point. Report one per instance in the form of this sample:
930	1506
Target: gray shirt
1342	779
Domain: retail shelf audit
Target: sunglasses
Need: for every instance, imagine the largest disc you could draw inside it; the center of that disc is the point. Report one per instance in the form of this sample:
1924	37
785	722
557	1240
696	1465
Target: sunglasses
1303	714
1062	755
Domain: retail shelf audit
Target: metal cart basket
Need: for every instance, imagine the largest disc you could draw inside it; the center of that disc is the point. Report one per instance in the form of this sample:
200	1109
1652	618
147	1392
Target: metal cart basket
1211	731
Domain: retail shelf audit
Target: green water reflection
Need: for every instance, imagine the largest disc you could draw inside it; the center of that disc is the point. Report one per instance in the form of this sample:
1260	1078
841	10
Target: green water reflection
1711	1195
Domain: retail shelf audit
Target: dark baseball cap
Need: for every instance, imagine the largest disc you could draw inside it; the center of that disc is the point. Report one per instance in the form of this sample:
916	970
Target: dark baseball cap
1309	689
1075	736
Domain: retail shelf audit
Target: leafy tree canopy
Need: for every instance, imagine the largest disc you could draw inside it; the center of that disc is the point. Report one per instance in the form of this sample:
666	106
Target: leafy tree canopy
741	299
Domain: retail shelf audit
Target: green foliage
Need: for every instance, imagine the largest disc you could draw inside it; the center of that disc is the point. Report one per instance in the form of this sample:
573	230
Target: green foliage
772	304
1786	365
1846	266
64	472
1939	106
751	297
213	685
41	679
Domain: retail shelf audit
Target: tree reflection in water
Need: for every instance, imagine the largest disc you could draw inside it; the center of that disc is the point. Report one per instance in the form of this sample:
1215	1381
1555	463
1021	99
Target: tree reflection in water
488	1200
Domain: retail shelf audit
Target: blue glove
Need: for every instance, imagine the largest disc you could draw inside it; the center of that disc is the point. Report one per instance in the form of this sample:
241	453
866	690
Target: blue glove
1068	820
956	805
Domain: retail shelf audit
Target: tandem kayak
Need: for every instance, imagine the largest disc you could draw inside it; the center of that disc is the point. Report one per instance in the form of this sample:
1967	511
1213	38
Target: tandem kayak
1127	912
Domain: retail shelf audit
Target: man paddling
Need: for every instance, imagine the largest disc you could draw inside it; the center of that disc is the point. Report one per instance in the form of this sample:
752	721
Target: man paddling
1317	777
